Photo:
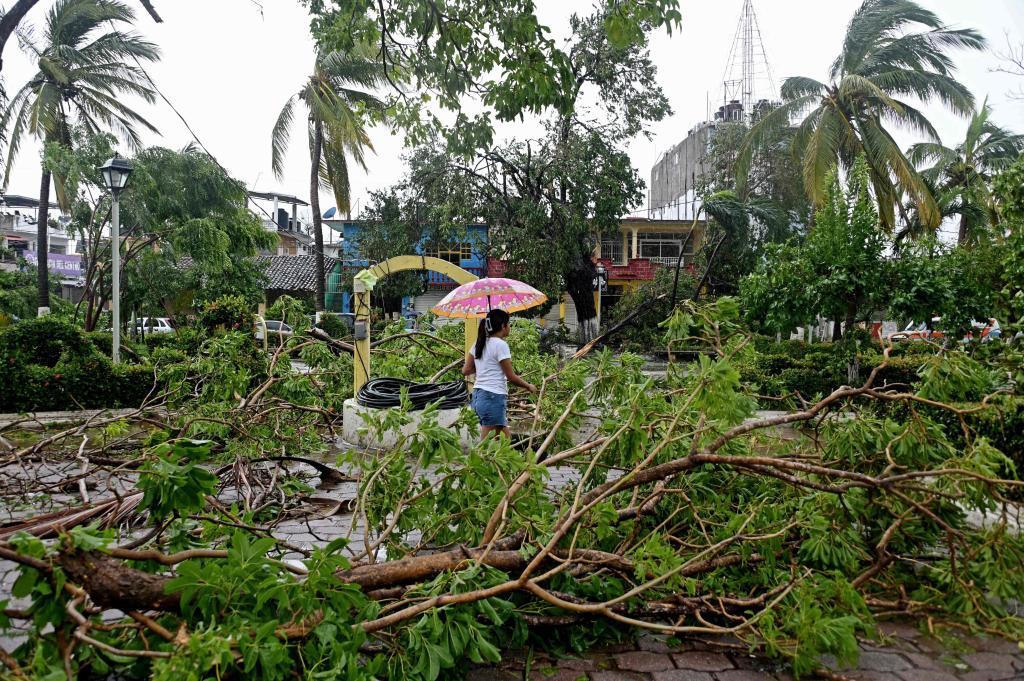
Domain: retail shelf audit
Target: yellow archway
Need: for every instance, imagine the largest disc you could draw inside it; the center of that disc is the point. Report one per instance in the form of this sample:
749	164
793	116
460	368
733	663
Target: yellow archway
361	305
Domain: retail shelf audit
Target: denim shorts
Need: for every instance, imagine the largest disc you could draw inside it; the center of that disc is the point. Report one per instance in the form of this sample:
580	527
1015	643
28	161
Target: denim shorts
489	408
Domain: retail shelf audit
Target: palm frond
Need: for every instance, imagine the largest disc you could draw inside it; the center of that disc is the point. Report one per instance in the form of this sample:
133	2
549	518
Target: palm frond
281	135
884	156
910	117
767	128
800	86
927	86
821	154
17	111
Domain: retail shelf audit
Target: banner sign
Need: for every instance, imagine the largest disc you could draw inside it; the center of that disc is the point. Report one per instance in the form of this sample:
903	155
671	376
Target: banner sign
64	264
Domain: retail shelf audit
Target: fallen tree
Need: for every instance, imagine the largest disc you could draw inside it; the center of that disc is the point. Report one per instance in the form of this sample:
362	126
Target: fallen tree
684	512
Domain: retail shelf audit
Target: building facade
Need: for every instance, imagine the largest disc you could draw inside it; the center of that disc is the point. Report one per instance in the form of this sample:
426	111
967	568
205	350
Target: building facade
629	259
469	253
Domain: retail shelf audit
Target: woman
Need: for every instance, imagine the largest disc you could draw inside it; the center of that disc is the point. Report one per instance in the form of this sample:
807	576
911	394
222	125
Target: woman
491	361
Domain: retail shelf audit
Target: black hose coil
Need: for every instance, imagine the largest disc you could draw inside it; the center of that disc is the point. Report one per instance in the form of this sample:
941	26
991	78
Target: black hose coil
382	393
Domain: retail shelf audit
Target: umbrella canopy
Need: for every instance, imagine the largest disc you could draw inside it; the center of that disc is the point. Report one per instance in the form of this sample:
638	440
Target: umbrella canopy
475	299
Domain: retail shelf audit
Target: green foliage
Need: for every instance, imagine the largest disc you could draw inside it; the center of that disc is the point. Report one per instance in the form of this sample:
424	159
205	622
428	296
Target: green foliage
955	284
227	313
174	482
19	296
1009	188
289	310
334	326
893	49
500	53
51	365
838	273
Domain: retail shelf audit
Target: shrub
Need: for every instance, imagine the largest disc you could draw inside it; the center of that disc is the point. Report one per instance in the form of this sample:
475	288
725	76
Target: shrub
187	339
51	365
780	369
334	325
92	383
291	311
43	341
227	313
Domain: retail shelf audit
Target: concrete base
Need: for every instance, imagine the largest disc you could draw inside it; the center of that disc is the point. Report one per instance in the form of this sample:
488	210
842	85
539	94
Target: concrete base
355	431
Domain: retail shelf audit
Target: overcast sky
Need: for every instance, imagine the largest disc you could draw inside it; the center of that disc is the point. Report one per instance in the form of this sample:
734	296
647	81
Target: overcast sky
229	66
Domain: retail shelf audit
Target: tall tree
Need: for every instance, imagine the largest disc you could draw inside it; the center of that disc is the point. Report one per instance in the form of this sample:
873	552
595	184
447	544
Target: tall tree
336	98
963	174
548	201
893	49
82	77
12	17
497	57
838	272
186	227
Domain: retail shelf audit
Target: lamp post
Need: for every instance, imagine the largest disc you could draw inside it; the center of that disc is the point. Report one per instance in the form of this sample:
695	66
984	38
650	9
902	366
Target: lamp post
115	175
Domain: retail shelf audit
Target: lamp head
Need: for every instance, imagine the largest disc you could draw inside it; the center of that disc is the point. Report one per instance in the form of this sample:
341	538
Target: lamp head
115	173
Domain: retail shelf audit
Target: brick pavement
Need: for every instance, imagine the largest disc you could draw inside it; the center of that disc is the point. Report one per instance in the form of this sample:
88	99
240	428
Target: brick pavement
903	655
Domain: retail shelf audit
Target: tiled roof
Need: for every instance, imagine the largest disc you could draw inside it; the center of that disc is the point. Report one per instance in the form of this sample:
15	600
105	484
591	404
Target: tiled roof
293	272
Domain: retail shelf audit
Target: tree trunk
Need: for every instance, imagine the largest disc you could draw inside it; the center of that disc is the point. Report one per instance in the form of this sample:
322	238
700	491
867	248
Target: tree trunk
9	22
42	247
314	205
961	236
579	284
853	363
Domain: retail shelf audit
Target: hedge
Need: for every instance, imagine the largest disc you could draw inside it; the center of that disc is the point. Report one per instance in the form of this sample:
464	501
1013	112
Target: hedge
92	384
781	369
51	365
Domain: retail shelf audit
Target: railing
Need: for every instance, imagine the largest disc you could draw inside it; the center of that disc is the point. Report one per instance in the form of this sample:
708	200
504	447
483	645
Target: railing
440	280
671	261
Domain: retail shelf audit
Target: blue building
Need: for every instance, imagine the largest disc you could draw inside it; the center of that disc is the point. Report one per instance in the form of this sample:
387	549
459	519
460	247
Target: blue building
469	254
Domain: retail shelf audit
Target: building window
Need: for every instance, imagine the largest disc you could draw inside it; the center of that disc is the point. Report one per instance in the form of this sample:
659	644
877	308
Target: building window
453	253
611	249
663	247
59	249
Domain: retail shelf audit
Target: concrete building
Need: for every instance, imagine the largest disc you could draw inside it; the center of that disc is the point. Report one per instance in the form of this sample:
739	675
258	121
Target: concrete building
19	221
294	235
643	245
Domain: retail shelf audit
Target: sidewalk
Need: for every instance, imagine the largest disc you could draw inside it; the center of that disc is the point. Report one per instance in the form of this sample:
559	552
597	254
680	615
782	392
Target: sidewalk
906	655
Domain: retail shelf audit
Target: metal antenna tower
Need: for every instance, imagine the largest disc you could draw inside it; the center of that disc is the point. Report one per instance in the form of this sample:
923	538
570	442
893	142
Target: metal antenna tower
748	76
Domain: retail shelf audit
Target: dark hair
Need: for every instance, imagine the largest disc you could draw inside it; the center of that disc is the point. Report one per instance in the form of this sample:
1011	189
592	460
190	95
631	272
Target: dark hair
496	320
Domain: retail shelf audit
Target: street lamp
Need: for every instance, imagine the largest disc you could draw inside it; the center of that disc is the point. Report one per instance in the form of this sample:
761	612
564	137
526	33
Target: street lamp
115	176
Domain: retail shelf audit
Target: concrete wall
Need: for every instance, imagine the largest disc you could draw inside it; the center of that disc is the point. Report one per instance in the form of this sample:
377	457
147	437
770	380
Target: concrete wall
677	172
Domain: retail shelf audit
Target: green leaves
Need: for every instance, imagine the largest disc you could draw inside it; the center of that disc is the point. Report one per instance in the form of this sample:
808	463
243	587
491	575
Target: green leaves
174	483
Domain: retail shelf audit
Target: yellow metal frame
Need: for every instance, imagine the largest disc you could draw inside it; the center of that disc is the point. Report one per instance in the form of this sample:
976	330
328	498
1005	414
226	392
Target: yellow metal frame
361	303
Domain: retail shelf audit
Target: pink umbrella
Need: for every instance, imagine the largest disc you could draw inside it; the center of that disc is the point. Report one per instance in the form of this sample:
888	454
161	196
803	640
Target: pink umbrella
475	299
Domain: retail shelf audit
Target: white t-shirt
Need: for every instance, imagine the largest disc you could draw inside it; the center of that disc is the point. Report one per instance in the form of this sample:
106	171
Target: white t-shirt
489	375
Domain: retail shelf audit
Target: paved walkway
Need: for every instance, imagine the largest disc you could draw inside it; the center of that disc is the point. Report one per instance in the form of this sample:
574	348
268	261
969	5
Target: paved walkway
905	655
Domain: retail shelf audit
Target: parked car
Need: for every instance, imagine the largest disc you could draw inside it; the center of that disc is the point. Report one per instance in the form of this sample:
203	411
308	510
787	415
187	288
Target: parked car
919	331
275	329
986	331
148	325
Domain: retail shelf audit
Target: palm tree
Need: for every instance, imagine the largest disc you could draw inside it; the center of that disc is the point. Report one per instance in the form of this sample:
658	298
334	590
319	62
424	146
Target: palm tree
882	62
962	175
335	128
81	78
